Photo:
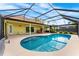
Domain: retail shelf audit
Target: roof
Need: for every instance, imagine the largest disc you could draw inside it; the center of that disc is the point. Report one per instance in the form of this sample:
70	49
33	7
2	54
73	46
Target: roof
21	17
21	20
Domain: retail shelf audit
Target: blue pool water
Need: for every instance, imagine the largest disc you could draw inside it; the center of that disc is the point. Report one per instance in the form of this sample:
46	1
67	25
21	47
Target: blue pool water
46	43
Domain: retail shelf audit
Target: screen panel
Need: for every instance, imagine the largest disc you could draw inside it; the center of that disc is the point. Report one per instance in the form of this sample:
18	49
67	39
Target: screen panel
1	27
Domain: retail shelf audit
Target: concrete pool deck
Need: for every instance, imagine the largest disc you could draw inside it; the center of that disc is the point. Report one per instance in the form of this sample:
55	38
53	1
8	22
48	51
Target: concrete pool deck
15	49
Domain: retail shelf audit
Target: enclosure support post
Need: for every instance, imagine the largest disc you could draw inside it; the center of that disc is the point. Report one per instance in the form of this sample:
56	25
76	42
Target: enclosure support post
30	29
43	29
5	29
78	29
49	29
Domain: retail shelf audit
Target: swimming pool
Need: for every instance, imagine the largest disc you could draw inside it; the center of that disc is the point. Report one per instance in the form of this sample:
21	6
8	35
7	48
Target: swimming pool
45	43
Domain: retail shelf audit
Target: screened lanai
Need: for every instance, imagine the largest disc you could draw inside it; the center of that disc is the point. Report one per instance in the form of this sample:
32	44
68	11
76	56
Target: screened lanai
59	16
39	21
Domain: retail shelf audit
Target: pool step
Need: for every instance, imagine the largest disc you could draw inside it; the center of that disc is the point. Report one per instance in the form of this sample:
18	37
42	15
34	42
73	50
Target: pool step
50	46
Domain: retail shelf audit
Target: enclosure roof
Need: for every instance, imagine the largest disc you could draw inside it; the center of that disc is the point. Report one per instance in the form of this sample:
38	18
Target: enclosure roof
48	13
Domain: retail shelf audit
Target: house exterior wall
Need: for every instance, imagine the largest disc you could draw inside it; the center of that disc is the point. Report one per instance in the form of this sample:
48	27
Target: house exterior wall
20	27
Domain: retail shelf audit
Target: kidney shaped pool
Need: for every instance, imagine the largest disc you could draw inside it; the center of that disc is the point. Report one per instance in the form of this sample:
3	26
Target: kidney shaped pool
45	43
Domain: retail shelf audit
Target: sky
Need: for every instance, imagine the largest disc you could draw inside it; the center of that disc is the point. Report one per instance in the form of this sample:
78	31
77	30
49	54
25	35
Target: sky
42	8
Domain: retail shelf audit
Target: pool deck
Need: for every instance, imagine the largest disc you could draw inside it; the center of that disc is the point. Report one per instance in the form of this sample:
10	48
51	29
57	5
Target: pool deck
14	48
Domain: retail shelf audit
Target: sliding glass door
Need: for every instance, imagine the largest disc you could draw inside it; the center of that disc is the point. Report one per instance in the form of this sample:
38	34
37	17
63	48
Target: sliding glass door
28	29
